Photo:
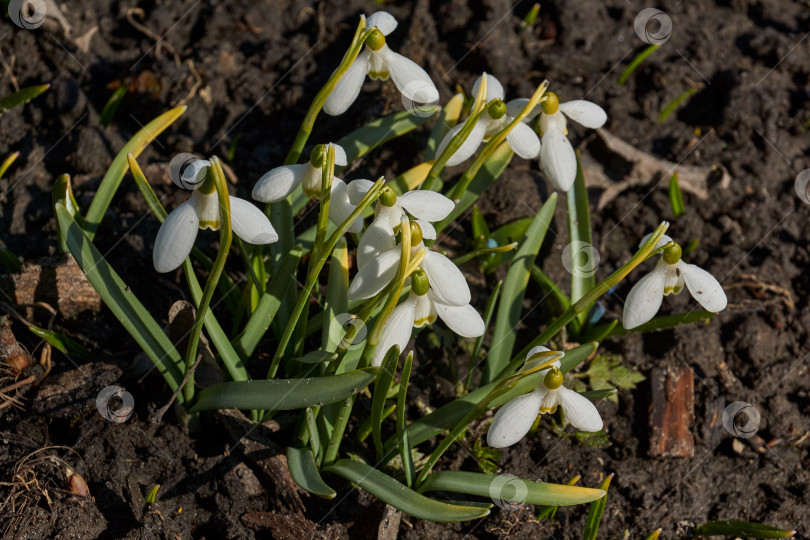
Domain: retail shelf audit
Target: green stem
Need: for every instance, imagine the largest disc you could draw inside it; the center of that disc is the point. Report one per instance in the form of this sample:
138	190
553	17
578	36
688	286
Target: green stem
312	275
225	237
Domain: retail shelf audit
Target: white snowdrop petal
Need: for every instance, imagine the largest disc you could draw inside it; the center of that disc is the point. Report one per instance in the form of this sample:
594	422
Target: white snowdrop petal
340	208
704	288
428	230
468	147
644	299
251	224
514	420
378	238
348	86
175	238
425	312
494	88
277	183
515	106
558	159
397	330
384	21
374	275
662	242
579	410
584	112
524	141
463	320
446	280
358	189
412	81
426	204
340	155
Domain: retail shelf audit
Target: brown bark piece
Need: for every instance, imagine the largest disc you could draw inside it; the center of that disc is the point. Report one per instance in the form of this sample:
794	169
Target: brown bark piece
57	281
672	412
266	456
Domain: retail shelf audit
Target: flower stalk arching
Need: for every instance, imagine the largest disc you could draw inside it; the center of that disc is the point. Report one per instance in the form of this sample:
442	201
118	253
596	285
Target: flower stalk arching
359	39
327	175
546	358
591	296
312	274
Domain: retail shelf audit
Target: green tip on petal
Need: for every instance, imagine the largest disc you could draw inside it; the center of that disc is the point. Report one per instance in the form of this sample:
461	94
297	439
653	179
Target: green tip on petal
672	253
551	104
553	379
419	282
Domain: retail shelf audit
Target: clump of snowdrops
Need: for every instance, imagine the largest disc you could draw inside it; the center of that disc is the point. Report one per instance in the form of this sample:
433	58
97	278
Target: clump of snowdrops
333	308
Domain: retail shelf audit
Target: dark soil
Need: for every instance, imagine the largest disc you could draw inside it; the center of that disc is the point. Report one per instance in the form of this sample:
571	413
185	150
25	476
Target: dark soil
260	65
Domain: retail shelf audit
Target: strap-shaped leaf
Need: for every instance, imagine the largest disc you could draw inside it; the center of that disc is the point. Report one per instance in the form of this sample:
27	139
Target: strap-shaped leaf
583	273
117	296
743	529
595	512
111	181
381	387
305	473
362	140
514	290
528	491
24	95
284	394
401	496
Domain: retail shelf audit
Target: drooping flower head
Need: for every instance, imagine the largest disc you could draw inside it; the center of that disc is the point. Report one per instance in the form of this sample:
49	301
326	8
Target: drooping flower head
497	115
379	62
178	232
514	420
280	182
669	277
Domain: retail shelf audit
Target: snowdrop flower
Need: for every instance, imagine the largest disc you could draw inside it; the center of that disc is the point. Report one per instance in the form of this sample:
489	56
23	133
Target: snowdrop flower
420	309
556	153
514	420
178	232
522	139
379	62
669	277
278	183
376	268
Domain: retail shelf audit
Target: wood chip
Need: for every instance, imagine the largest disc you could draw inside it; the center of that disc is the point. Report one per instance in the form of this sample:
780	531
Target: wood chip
672	412
389	524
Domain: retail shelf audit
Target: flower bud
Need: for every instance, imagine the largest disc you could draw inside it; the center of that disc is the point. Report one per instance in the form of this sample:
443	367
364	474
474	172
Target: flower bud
420	282
376	40
496	109
672	253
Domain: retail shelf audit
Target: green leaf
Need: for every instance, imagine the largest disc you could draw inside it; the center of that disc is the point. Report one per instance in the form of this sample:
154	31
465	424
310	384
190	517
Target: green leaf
317	356
269	303
595	512
22	96
741	528
581	243
476	354
305	473
635	62
503	487
62	342
400	496
117	296
62	193
514	290
675	196
664	322
8	162
402	431
548	512
337	300
675	103
655	534
115	174
10	261
283	394
381	387
362	140
111	107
